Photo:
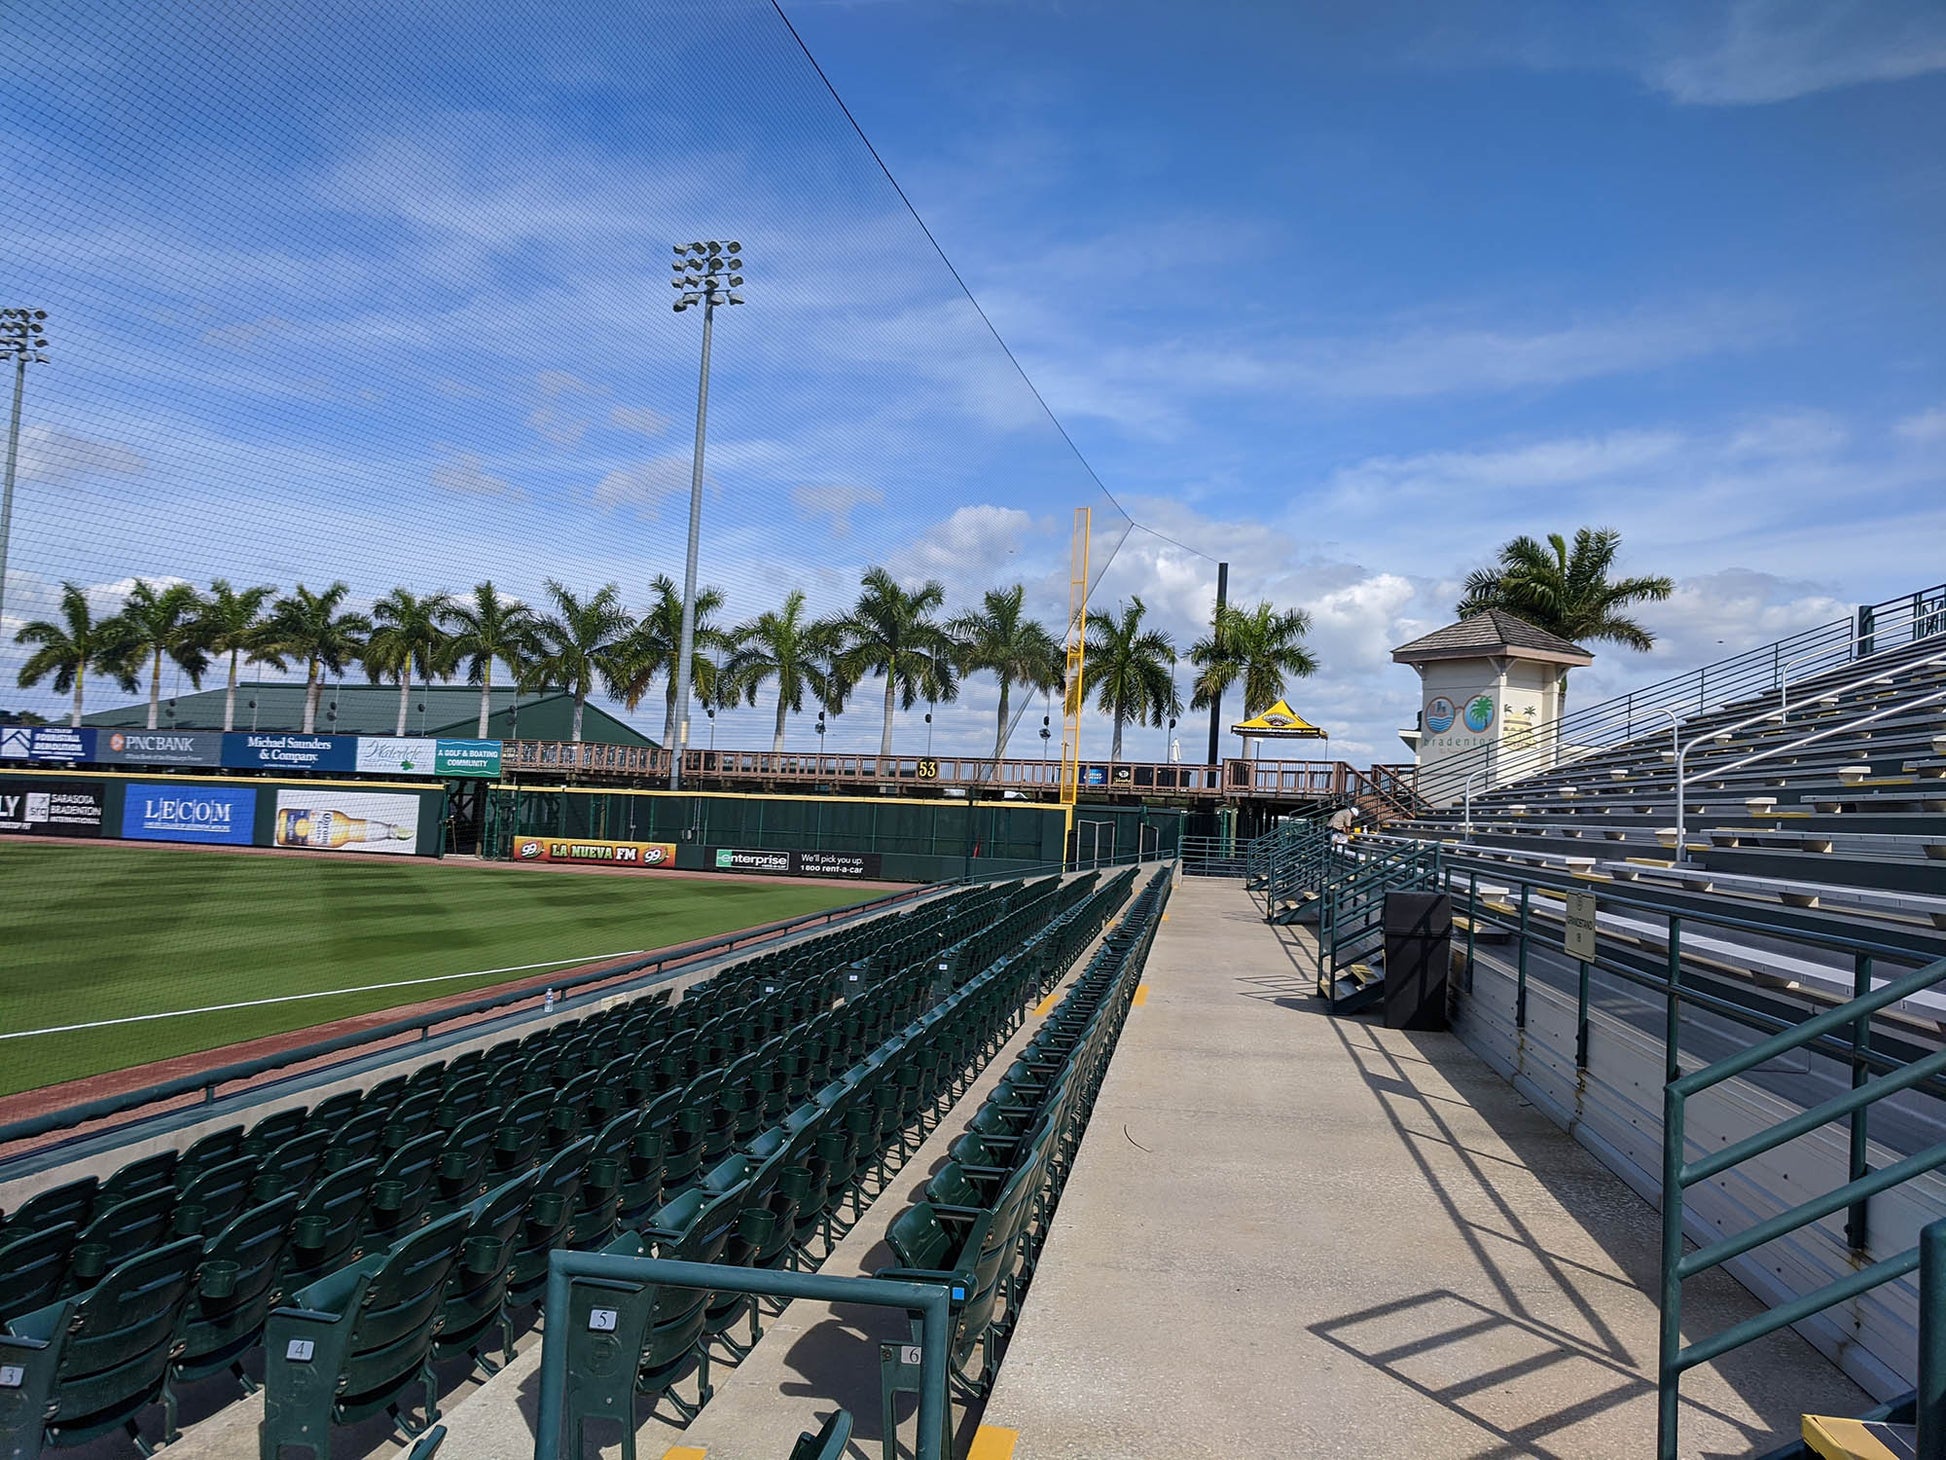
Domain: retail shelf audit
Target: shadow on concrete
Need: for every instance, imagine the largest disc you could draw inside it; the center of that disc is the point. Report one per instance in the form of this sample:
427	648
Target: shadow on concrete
1584	1367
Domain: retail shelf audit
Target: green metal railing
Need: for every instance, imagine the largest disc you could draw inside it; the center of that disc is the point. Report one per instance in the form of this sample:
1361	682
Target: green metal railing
931	1301
1351	899
1679	1173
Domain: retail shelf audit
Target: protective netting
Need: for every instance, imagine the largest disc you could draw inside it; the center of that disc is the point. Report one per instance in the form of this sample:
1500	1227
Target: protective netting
381	294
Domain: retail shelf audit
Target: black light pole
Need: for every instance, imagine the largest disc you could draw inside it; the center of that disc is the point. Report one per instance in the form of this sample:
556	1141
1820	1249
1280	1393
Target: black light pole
1216	638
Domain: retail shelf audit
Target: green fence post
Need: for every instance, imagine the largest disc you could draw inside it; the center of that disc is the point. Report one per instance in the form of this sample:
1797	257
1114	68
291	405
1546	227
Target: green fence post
1672	1018
1929	1409
1472	918
1856	1231
1669	1348
1520	976
1581	1019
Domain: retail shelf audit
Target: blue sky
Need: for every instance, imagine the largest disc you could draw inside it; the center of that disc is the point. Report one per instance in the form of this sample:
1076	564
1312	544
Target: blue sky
1344	295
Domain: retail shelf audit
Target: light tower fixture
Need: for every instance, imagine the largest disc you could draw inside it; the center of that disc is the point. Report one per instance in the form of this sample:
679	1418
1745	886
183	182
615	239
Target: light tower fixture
23	339
707	273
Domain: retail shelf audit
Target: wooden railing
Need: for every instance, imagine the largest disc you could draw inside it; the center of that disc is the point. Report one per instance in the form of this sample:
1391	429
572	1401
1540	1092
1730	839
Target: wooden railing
704	769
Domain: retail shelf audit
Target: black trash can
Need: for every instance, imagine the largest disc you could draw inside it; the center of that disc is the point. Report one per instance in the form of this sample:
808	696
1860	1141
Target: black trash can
1418	957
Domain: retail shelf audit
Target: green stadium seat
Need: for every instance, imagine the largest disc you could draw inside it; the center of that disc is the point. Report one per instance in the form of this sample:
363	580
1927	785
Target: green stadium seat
90	1363
275	1129
557	1185
137	1179
119	1234
235	1287
217	1148
474	1305
71	1202
358	1343
291	1165
325	1231
32	1267
830	1441
221	1191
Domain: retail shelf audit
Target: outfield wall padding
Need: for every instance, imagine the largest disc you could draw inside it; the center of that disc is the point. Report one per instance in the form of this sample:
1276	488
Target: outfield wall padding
242	811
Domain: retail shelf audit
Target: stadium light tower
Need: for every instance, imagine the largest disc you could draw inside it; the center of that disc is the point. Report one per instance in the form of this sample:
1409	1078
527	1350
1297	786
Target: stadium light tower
706	274
22	338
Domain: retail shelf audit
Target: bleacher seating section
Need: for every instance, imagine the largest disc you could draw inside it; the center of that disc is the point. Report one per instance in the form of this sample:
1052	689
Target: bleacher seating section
385	1229
886	1069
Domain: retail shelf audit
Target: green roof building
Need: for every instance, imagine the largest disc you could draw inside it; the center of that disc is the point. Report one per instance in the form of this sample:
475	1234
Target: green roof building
451	710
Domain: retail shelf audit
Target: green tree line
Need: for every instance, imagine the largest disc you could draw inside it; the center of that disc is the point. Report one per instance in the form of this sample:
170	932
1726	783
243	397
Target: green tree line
581	642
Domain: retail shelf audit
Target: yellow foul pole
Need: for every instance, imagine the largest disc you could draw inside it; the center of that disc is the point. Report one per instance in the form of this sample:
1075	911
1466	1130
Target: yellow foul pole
1084	518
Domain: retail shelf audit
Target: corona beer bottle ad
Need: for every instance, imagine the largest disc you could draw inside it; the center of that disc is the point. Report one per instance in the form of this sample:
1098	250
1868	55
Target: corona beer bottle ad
346	821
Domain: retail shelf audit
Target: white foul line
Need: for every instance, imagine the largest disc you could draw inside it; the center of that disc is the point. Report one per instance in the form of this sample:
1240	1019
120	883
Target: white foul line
322	994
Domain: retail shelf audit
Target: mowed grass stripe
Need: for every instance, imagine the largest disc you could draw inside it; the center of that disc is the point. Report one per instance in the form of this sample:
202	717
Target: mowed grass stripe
112	931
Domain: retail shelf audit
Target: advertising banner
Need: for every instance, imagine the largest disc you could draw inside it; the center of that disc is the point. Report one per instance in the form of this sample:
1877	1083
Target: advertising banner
185	812
46	742
340	820
402	756
796	864
596	853
466	758
51	808
159	747
250	750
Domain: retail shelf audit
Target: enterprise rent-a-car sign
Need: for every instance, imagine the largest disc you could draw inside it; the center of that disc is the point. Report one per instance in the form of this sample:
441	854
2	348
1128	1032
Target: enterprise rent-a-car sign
796	864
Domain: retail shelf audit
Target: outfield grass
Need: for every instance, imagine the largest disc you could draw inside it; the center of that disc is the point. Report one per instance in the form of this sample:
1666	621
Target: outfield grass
103	932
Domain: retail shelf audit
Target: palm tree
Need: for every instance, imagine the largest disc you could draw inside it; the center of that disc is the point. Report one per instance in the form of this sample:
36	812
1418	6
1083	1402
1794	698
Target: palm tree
231	621
487	628
1257	645
1129	668
69	647
409	638
656	648
308	626
784	646
154	625
1015	649
892	632
1566	591
579	645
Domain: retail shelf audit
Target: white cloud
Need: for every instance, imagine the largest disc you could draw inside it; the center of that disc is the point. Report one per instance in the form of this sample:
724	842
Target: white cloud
641	419
1925	428
57	458
645	487
466	473
1757	51
976	545
833	505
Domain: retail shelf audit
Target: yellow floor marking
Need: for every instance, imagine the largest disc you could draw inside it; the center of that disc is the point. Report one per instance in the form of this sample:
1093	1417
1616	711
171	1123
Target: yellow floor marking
993	1443
686	1452
1141	994
1046	1006
1849	1439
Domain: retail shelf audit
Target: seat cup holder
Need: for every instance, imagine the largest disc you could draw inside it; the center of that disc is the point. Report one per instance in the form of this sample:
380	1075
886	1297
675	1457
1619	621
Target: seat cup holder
309	1232
90	1260
218	1281
481	1256
388	1196
547	1209
189	1218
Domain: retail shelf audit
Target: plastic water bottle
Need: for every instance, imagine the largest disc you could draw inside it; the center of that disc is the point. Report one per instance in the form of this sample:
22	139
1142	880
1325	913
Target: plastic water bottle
547	1004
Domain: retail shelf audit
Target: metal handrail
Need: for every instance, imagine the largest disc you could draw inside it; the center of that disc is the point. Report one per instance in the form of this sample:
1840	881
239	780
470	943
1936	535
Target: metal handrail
931	1301
1678	1174
1613	721
1721	732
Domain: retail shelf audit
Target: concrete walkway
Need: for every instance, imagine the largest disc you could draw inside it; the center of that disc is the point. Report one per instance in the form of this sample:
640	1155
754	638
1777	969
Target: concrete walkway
1291	1234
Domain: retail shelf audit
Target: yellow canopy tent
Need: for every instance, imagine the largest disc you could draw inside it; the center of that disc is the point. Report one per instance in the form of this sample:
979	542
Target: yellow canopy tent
1279	722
